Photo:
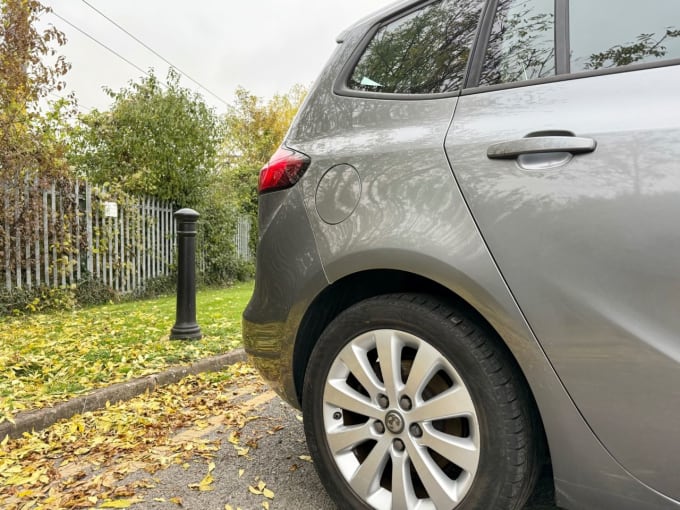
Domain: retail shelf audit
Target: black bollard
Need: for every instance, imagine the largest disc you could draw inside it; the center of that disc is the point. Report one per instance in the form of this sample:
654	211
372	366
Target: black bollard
186	327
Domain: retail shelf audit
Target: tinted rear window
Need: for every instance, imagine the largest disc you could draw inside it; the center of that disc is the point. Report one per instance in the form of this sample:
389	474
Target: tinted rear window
612	33
522	42
424	52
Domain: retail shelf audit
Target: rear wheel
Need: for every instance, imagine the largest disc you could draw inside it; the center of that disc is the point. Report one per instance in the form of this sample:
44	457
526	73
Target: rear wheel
408	405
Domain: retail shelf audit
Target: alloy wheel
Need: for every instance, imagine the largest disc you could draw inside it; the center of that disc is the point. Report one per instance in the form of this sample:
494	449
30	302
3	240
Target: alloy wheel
400	423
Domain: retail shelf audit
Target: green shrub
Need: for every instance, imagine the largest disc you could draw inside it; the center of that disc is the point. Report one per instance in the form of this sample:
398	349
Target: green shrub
91	292
216	229
36	299
155	287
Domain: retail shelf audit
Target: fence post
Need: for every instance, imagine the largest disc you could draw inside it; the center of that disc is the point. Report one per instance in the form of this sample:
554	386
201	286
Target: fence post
185	327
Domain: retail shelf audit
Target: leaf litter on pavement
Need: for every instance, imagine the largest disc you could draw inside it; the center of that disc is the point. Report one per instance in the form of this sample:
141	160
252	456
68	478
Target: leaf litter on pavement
87	461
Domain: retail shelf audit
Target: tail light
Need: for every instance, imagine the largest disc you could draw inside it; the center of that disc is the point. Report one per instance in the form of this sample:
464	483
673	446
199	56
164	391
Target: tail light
284	169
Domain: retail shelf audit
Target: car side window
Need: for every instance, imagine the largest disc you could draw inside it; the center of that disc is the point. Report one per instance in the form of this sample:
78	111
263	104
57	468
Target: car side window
522	42
634	33
423	52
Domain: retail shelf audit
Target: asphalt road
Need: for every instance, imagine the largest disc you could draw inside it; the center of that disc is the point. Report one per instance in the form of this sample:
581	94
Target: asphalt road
277	457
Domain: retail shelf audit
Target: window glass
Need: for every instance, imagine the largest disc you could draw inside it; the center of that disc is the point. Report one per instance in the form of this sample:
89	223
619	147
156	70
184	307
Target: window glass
613	33
424	52
522	42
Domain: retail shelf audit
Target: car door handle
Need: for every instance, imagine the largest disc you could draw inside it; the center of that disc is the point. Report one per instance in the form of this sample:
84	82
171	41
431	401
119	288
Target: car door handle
541	145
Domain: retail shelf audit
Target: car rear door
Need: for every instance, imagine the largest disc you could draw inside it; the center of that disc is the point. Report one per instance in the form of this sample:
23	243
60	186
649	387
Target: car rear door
567	150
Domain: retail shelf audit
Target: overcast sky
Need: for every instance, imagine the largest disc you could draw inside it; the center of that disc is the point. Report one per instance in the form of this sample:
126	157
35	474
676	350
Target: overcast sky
265	46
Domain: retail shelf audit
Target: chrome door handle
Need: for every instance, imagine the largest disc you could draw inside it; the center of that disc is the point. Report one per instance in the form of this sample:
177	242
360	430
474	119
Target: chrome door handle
541	145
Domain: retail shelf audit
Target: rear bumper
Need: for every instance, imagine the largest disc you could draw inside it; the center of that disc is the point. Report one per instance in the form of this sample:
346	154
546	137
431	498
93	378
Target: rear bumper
288	276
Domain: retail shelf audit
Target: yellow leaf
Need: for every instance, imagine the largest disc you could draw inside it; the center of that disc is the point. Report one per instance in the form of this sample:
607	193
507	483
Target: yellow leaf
240	472
5	441
176	500
242	451
228	507
305	457
120	503
211	467
203	485
265	505
255	491
268	494
261	485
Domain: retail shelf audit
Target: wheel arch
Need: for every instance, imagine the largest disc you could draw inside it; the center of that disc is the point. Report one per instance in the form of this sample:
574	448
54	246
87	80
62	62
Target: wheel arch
356	287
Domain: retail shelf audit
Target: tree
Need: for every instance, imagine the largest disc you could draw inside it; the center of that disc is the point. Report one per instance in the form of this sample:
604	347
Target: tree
158	139
31	141
254	130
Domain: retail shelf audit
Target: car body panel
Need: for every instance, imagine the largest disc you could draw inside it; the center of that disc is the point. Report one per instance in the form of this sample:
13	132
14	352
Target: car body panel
289	276
590	248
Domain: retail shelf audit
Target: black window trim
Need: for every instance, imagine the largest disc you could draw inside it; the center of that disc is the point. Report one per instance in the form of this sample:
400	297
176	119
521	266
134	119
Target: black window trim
562	56
562	40
474	70
341	88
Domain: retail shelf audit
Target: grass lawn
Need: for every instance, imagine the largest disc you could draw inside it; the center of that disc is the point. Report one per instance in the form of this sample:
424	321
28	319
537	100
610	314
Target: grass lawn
48	358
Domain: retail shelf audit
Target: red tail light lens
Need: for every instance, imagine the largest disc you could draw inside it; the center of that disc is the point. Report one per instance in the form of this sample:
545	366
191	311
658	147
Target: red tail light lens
284	169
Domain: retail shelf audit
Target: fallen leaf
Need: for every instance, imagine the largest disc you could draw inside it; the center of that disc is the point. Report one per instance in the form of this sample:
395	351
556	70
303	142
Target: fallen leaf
240	472
305	457
204	485
268	494
120	503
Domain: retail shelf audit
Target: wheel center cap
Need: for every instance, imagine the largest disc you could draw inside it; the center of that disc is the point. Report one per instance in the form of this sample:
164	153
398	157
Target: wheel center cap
394	422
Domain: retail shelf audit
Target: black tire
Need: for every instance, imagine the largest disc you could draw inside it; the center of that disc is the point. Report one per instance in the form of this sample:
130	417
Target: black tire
510	435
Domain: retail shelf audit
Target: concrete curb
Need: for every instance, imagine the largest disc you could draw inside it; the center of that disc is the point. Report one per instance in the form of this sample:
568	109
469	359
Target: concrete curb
43	418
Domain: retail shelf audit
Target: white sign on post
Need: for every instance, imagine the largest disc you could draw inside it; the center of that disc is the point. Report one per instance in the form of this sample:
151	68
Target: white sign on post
110	210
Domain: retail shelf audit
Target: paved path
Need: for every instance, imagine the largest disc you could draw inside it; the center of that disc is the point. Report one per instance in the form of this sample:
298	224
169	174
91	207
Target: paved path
277	457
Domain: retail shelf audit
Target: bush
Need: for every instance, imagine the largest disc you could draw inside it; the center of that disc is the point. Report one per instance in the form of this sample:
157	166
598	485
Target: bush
88	292
37	299
91	292
216	230
155	287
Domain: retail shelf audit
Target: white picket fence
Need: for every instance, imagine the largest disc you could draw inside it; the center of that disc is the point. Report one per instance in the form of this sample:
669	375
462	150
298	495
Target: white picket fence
89	232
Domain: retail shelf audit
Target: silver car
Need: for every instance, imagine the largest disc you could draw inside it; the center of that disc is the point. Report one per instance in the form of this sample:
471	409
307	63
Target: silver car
469	258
